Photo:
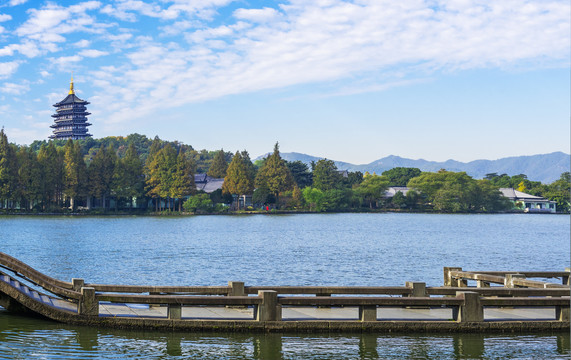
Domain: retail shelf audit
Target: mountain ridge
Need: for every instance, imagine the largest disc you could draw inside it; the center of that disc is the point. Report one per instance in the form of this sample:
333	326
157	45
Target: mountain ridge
541	167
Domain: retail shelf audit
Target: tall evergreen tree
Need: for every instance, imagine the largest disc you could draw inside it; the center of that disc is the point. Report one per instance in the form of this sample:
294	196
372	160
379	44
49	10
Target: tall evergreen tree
8	170
275	175
30	177
128	178
75	172
101	172
326	176
183	179
161	174
219	165
51	165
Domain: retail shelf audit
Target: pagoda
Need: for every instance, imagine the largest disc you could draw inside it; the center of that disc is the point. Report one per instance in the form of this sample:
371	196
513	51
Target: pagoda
70	118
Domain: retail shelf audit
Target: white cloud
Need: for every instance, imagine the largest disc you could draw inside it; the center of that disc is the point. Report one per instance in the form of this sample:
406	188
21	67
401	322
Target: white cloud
17	2
92	53
5	17
14	89
257	15
310	42
64	63
83	43
8	68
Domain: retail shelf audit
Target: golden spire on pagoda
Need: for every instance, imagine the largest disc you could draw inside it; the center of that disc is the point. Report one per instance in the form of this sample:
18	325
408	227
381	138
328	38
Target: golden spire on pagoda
71	92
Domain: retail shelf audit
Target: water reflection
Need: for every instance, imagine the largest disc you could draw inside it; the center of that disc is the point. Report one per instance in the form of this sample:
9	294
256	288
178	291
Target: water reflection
25	337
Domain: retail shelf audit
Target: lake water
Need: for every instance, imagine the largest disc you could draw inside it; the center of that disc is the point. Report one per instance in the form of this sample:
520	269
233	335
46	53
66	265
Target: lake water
312	249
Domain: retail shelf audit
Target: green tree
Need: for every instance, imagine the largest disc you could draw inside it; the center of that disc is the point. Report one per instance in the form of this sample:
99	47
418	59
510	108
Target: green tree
457	192
275	175
51	166
29	176
75	172
560	192
183	181
400	176
128	178
219	165
372	189
198	203
314	198
8	170
326	176
100	173
399	200
238	179
300	172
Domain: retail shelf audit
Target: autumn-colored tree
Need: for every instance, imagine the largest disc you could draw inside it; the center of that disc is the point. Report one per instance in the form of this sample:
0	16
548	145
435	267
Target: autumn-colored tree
238	180
161	174
219	165
275	175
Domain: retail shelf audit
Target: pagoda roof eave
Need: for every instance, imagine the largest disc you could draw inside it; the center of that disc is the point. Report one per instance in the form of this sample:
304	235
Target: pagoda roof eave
71	99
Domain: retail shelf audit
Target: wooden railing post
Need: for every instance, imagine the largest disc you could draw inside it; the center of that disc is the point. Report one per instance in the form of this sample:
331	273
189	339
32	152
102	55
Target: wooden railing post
174	311
418	288
448	280
562	313
482	284
77	284
236	288
471	310
565	278
368	313
88	304
509	283
269	309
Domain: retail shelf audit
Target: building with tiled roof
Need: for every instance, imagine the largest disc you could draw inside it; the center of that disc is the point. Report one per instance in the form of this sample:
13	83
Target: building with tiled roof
530	203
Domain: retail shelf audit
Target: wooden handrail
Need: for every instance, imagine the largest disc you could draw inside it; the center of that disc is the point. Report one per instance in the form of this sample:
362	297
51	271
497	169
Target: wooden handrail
333	290
204	290
369	301
180	299
499	291
55	286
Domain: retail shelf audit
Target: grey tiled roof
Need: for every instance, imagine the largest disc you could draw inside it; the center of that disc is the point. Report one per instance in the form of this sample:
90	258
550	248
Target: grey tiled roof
515	195
207	183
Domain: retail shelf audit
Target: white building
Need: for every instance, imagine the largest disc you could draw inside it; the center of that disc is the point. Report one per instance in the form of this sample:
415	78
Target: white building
529	203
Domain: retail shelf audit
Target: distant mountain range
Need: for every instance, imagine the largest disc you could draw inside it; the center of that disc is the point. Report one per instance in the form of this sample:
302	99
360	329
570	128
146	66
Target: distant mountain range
545	168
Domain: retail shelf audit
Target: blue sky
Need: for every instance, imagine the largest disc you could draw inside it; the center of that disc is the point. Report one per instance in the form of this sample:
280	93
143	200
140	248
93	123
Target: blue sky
351	81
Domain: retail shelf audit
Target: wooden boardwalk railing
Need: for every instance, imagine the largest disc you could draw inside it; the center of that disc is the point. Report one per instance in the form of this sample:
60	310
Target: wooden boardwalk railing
80	302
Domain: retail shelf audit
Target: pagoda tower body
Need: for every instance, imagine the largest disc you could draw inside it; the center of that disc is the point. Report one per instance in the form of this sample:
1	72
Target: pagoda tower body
70	118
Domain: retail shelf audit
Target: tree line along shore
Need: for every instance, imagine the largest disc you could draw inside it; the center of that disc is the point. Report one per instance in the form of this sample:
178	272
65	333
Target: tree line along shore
137	174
